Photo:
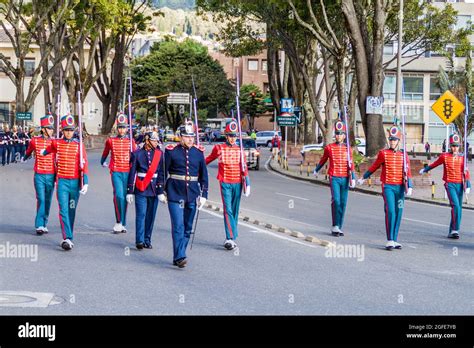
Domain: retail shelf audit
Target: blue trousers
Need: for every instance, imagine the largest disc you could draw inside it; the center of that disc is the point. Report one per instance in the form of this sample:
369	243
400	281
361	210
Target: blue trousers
145	211
455	193
44	187
182	217
339	191
119	184
68	197
231	194
10	153
3	154
394	200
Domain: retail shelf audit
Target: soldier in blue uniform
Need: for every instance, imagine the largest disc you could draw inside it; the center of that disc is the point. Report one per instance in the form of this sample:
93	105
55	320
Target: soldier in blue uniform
145	184
186	188
3	146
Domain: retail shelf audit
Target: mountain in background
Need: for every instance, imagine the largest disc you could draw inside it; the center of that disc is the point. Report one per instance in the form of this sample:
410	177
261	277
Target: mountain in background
175	4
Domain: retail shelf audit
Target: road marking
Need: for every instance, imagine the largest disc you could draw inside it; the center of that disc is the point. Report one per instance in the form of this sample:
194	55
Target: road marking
315	227
425	222
273	234
282	194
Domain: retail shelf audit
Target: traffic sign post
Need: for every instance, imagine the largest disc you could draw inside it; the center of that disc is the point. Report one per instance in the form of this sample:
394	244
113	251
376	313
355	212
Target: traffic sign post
286	120
179	98
448	108
24	116
287	105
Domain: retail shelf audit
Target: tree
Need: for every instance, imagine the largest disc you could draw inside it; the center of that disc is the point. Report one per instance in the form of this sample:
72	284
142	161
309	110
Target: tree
251	102
24	23
370	25
459	82
113	45
170	67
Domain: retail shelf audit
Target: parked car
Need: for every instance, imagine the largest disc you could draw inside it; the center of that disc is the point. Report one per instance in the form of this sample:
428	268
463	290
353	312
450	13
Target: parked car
311	147
251	152
264	138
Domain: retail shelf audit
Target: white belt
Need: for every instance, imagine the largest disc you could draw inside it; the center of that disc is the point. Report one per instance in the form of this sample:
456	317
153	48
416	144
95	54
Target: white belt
142	175
184	177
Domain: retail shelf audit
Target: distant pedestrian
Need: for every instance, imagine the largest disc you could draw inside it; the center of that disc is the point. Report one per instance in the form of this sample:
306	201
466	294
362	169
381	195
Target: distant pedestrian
427	148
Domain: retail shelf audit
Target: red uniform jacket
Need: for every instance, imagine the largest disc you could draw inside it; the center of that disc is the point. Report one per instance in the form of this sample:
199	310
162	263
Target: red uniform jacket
43	164
120	158
453	168
392	167
67	157
229	160
337	155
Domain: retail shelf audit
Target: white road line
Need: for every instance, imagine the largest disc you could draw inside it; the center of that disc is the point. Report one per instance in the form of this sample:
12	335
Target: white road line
273	234
425	222
282	194
315	227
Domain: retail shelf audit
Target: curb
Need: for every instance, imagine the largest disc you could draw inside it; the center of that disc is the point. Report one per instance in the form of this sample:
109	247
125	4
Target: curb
274	228
358	189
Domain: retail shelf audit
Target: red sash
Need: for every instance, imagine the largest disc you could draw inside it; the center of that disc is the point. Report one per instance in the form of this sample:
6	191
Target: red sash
141	185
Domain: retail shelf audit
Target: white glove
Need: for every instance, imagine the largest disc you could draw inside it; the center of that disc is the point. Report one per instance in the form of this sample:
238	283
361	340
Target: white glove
247	191
129	198
353	183
468	190
315	174
43	152
162	198
422	171
409	191
83	191
361	181
201	203
105	164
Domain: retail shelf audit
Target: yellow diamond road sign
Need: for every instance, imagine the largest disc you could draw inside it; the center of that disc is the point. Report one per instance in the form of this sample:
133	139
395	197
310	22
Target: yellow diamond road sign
447	107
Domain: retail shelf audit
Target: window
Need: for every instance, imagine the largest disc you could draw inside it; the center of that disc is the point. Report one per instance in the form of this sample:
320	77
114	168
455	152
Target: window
389	87
252	65
29	66
4	111
464	22
435	90
413	88
264	65
388	49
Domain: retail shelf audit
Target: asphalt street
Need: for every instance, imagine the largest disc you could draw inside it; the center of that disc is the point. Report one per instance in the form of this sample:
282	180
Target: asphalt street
270	273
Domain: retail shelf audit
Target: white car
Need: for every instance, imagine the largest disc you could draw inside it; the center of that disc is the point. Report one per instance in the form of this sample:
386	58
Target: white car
311	147
265	138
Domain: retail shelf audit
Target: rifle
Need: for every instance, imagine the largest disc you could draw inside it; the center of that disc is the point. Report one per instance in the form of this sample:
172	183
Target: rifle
195	111
348	145
243	165
81	154
405	164
466	116
58	116
130	112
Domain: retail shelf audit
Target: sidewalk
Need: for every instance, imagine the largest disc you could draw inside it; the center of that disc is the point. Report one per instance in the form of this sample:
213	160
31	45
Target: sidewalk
421	193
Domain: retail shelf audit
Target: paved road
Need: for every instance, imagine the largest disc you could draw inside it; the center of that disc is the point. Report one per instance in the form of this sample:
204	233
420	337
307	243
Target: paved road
270	274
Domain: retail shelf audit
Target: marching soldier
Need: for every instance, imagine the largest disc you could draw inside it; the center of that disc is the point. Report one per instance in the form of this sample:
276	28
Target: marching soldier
10	148
456	180
69	177
3	145
119	166
186	188
146	185
341	177
45	172
230	178
393	185
15	143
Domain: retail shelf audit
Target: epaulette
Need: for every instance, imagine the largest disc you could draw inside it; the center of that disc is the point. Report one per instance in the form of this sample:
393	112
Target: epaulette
170	146
200	147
